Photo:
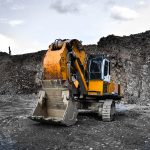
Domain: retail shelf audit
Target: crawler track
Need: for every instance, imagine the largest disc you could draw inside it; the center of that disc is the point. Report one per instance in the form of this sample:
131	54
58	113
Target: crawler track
108	110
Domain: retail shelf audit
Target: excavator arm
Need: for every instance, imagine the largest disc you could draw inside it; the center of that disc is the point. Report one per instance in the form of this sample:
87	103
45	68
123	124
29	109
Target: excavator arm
56	103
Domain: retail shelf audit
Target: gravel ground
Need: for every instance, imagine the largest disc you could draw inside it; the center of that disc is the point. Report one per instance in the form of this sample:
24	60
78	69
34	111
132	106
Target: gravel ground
130	130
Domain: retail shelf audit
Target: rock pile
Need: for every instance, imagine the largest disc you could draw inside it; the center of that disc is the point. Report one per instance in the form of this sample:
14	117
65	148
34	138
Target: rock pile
129	55
18	73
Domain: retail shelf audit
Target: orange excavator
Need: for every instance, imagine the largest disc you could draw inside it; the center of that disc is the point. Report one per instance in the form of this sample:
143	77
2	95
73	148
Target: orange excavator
73	82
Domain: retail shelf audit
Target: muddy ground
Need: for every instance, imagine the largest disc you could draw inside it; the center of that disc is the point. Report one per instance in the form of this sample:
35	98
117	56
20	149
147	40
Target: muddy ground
130	130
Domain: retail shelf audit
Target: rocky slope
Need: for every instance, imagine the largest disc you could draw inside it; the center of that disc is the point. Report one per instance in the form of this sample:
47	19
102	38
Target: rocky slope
129	55
19	74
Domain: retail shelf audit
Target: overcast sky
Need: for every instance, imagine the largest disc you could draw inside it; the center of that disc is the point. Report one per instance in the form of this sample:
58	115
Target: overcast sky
31	25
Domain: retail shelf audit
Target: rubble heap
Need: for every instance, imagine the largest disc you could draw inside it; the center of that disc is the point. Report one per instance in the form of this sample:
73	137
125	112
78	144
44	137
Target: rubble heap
19	73
129	55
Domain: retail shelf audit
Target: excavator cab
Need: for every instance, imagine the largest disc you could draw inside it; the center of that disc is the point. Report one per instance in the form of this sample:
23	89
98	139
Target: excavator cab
99	69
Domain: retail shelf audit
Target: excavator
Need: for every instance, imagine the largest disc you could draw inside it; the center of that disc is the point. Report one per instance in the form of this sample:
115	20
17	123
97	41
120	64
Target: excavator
72	83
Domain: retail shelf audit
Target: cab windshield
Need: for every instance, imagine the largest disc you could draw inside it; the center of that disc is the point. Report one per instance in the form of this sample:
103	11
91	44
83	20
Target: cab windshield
95	68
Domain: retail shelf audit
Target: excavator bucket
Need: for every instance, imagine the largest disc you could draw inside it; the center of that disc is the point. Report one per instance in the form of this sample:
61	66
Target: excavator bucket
54	105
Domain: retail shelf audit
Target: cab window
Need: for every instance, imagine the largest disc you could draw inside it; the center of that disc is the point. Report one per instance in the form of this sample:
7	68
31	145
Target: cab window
106	68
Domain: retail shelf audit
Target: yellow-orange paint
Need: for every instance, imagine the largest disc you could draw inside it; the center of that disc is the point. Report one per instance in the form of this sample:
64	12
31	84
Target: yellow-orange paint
51	64
55	61
96	86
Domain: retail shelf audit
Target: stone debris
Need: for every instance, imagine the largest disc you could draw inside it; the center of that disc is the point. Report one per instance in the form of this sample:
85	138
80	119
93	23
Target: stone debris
129	55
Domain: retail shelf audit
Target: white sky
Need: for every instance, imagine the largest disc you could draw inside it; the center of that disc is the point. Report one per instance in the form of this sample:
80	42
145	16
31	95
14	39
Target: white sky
31	25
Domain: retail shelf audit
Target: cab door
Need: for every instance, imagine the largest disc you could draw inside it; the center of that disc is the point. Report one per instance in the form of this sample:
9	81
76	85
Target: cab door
106	70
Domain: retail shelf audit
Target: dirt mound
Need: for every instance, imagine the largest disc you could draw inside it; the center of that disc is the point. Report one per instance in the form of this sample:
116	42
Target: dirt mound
19	73
129	55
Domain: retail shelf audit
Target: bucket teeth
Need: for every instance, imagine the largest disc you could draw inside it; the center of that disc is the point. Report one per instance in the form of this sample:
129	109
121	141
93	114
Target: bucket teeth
42	119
